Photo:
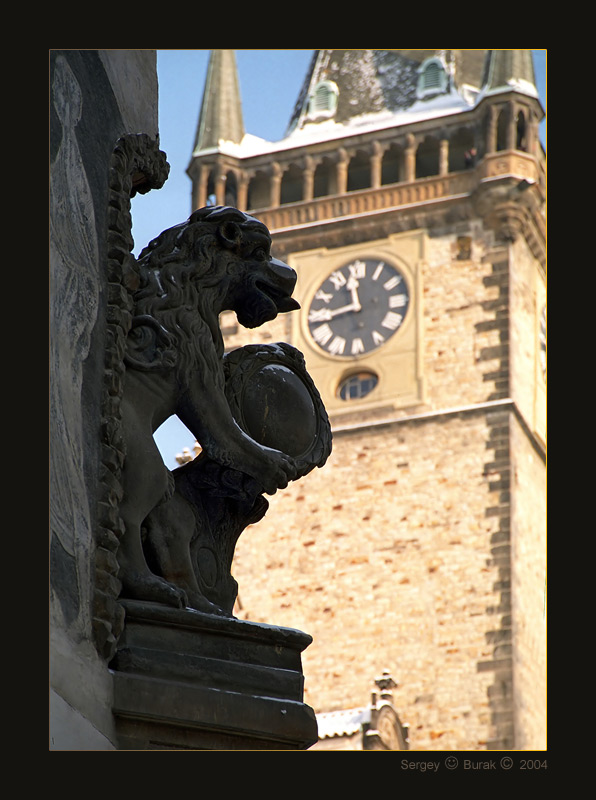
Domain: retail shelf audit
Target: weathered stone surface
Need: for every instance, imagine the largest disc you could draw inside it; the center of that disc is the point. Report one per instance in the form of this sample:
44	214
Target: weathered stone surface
87	117
184	679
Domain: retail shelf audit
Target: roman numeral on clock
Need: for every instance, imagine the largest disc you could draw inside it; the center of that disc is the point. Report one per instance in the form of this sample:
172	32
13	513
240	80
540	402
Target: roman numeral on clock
378	271
398	300
391	283
338	279
324	296
357	269
392	320
357	346
322	334
337	346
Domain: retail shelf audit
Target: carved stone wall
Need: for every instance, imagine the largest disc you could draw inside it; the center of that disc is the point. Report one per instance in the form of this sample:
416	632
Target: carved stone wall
91	109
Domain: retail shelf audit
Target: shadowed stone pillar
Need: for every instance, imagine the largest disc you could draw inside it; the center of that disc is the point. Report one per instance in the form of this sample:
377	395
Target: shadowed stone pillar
276	176
342	171
410	158
444	157
491	133
376	161
242	192
308	178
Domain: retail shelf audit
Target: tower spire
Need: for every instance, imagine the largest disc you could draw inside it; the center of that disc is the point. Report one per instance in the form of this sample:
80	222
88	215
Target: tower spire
220	118
506	69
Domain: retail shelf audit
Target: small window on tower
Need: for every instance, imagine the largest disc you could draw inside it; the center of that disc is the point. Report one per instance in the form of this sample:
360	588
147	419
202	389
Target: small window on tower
356	386
432	78
323	100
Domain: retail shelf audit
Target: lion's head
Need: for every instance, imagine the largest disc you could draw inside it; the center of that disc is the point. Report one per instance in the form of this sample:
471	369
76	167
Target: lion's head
219	259
226	251
259	287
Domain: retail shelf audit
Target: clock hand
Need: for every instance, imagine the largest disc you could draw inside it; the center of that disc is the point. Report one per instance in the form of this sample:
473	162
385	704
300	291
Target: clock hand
323	314
344	309
353	285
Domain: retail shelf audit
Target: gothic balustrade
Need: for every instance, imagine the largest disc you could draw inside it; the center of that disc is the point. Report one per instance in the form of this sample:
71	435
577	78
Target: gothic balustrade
400	195
368	200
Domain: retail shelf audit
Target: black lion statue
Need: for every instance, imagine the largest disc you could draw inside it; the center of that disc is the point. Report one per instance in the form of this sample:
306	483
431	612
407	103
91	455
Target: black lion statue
220	259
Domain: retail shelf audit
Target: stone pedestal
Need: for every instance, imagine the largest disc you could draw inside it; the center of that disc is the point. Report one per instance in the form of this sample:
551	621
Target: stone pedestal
184	680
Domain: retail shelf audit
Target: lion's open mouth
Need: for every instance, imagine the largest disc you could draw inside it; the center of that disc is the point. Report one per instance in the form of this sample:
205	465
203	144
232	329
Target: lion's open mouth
283	301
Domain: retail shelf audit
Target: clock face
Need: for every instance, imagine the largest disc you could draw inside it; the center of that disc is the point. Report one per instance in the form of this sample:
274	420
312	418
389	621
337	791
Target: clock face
358	308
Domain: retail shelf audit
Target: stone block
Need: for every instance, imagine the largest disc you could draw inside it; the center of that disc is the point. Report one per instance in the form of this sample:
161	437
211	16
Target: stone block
188	680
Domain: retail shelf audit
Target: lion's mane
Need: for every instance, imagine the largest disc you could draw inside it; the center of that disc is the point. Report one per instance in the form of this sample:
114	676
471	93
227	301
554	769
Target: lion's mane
182	275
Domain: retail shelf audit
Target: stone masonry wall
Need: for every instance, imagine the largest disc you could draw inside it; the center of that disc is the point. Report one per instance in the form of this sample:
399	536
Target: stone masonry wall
528	297
398	554
465	307
528	582
386	559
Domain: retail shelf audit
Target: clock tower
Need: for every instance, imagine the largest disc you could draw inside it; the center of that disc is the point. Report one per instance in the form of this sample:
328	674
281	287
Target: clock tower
408	193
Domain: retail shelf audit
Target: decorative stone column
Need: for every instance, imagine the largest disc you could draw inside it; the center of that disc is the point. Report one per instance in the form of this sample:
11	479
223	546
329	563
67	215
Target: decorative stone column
511	127
276	174
308	178
410	158
532	135
220	187
342	171
199	197
376	160
444	157
242	191
491	132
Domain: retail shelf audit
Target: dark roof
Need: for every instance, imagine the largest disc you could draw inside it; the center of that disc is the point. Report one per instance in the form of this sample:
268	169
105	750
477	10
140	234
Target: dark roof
371	81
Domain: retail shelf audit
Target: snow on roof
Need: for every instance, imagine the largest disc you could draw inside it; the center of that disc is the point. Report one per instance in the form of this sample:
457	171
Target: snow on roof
342	723
381	87
515	85
329	130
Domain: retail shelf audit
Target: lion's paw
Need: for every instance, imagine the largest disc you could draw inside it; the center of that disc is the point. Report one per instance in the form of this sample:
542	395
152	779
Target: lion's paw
156	590
199	603
281	470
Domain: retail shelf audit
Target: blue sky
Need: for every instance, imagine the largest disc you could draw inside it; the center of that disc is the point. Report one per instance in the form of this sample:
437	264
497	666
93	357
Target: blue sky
270	81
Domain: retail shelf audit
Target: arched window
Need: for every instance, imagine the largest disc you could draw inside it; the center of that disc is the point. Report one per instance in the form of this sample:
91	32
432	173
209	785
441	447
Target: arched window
427	158
432	78
502	125
323	100
521	132
211	197
462	150
231	193
259	191
291	185
392	165
325	179
359	172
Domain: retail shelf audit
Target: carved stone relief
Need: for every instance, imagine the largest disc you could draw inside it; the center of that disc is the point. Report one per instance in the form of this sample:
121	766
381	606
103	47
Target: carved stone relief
73	311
